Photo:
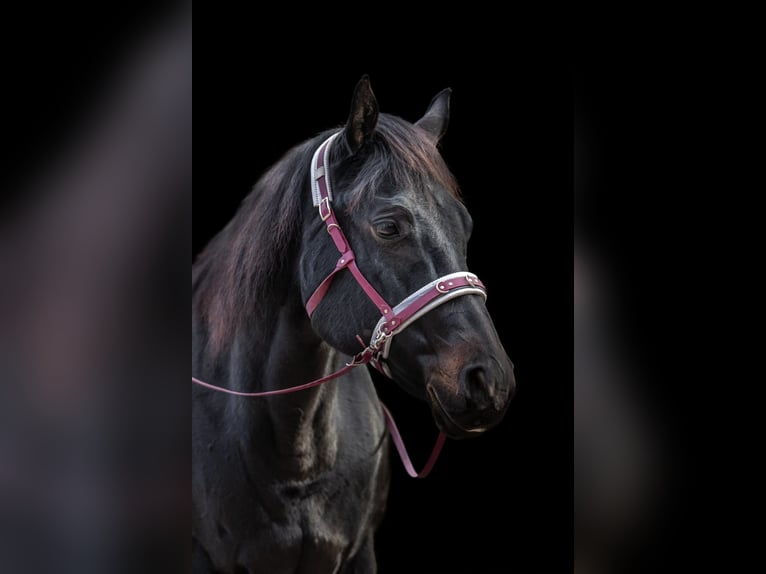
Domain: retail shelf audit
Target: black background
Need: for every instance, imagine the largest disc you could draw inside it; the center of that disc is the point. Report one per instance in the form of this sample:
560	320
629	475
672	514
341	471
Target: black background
502	502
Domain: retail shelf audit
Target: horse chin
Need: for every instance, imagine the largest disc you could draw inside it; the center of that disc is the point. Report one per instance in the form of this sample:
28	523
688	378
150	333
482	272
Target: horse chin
447	423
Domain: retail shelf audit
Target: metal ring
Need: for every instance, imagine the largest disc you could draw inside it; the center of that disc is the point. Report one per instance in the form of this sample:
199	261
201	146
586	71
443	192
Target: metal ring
335	225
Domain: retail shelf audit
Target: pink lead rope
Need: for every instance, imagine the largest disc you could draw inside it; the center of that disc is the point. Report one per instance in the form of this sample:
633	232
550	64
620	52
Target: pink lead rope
395	434
399	443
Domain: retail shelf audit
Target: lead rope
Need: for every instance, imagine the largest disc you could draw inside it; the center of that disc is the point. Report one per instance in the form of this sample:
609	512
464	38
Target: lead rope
360	359
402	450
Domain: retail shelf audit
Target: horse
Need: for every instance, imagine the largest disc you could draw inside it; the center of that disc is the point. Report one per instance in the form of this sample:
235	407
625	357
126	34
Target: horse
289	291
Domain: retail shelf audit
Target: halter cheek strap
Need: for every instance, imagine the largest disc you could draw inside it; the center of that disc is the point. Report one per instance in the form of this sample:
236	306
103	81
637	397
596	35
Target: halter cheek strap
322	195
393	320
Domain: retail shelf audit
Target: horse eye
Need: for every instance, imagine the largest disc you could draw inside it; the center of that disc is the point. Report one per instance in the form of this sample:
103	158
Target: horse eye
386	229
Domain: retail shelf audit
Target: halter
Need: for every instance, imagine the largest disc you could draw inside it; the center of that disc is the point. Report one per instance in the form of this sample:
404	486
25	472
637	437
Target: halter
393	320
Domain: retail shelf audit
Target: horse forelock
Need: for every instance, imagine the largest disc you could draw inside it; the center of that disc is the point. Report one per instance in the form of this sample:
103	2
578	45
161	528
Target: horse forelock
402	156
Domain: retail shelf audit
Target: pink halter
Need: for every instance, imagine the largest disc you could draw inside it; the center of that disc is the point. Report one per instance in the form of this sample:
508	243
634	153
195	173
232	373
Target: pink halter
393	320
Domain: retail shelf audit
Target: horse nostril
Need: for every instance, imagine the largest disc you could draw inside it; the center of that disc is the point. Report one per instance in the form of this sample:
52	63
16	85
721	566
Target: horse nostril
486	388
476	387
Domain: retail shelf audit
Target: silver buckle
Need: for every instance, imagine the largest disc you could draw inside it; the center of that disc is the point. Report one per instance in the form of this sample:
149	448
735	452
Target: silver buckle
325	200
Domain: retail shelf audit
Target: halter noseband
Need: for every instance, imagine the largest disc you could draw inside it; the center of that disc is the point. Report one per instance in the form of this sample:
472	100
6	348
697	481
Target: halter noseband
393	320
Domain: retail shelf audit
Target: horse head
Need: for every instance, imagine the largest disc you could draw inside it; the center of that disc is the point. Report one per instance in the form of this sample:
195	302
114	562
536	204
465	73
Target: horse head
399	207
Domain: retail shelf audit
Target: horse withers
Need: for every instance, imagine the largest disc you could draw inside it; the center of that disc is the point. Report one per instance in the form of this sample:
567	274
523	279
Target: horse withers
293	289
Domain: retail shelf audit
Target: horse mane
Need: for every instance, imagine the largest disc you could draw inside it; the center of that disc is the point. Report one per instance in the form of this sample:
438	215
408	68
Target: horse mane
242	264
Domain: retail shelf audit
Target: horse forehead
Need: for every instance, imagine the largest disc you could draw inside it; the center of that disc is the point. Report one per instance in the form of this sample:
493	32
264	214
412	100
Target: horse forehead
442	215
431	203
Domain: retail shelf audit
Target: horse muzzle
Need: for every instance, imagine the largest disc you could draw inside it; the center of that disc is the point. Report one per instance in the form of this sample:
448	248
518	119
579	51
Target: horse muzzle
473	402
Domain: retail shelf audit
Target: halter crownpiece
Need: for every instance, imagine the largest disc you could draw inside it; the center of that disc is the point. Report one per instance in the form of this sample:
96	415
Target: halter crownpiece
393	320
319	172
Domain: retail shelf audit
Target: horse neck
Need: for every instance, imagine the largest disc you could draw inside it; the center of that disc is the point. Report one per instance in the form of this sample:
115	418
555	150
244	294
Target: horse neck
276	351
275	347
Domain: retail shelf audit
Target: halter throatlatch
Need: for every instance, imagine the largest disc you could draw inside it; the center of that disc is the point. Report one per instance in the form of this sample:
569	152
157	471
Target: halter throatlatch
393	320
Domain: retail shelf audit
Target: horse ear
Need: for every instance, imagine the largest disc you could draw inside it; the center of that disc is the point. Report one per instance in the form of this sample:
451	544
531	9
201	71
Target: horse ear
363	116
436	118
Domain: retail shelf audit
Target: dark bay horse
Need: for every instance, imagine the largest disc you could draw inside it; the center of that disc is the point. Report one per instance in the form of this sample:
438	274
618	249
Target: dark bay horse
297	483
